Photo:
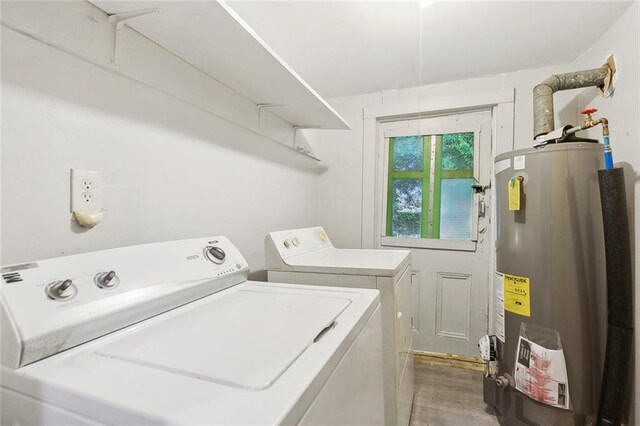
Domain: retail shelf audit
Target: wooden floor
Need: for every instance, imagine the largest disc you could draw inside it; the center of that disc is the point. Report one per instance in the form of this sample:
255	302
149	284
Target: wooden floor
448	396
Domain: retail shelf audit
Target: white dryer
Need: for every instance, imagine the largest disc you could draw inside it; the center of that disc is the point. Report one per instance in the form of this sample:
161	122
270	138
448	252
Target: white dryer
307	256
172	333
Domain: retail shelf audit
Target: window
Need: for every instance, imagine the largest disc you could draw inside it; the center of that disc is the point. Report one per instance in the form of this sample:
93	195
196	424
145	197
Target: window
429	180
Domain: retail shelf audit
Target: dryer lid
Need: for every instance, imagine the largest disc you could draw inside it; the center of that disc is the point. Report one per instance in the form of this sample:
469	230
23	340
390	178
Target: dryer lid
246	340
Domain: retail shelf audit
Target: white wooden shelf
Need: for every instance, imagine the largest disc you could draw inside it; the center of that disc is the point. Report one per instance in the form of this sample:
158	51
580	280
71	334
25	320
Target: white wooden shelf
212	37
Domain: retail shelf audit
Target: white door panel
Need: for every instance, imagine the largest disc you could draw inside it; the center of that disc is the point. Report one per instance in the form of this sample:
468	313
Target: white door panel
453	311
449	277
453	305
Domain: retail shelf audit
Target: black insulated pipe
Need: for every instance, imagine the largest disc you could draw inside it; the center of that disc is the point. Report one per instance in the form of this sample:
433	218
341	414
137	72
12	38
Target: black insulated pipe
616	373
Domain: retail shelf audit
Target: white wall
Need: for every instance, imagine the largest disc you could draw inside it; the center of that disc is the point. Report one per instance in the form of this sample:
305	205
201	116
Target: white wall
340	187
172	169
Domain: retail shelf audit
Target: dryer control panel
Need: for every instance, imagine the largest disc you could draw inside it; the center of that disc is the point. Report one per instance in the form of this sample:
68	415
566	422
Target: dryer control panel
282	245
51	305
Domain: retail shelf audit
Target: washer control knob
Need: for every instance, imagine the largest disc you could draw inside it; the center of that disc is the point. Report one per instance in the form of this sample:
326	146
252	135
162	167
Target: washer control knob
215	254
106	279
61	290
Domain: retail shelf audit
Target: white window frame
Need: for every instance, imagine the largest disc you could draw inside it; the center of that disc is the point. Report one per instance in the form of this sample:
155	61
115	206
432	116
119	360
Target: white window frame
461	122
500	101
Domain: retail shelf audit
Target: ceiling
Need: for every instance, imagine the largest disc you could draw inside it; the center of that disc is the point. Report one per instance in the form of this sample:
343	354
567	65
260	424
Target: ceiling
349	47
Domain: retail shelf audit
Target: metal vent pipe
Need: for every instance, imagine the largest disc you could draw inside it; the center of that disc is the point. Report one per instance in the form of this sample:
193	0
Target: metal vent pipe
543	94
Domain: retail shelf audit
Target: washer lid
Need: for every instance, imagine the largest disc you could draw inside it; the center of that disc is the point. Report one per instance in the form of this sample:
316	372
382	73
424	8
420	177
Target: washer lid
246	340
331	260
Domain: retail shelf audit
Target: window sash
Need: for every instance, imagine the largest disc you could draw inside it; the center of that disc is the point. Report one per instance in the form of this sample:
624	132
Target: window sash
431	176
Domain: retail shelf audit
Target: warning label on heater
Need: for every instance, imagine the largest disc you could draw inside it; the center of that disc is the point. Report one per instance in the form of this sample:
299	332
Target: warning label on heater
541	374
516	295
499	289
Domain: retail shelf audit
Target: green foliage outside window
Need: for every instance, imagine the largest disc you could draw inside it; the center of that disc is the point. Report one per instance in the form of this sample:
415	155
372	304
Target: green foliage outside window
408	153
457	151
409	191
406	207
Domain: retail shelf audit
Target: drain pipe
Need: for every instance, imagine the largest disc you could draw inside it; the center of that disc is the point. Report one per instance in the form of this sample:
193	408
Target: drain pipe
543	94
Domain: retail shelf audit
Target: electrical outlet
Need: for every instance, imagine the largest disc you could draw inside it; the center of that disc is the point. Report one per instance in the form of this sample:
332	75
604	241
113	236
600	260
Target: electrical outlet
86	191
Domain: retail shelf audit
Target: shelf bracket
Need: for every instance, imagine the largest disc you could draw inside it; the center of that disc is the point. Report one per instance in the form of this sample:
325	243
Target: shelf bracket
267	105
119	19
300	143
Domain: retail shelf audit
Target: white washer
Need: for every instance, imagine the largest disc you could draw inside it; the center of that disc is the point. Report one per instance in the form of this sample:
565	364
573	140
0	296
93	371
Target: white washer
307	256
176	335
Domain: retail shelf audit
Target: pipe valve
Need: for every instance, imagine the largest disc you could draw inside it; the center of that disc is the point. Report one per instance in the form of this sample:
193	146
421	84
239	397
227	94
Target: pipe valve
588	112
588	123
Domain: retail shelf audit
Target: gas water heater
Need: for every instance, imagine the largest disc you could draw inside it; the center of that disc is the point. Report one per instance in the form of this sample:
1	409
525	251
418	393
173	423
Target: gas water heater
550	270
560	353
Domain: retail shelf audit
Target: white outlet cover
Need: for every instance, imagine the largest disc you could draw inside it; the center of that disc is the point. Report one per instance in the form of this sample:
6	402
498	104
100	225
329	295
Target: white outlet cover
86	191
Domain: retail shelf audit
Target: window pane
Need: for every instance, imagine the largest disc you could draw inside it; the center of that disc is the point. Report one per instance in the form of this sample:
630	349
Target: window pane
457	151
456	202
406	208
407	154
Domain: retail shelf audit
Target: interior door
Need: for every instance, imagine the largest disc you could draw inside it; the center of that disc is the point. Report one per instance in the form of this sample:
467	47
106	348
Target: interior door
432	199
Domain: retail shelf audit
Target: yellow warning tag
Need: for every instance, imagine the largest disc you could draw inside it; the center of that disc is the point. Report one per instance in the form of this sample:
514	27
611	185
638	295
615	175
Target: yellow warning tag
514	194
516	295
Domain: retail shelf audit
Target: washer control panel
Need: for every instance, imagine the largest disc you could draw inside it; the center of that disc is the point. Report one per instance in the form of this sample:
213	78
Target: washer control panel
91	294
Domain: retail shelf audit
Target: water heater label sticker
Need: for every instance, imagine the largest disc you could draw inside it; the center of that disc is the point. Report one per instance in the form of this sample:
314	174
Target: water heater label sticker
541	374
518	162
517	298
499	287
